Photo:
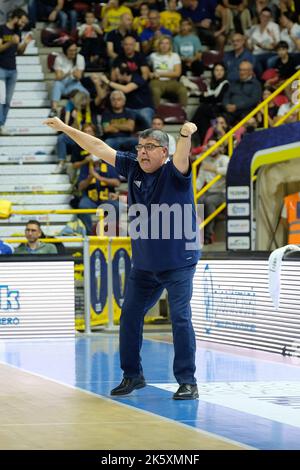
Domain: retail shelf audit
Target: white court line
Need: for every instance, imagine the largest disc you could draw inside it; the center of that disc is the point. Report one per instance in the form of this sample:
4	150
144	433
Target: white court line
276	400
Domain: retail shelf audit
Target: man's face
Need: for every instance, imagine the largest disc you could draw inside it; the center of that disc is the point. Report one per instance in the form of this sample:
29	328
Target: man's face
32	232
238	41
129	45
282	52
22	22
245	71
154	19
117	102
151	156
157	124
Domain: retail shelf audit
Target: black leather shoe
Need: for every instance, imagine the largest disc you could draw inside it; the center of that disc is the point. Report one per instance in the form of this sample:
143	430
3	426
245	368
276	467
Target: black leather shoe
186	392
128	385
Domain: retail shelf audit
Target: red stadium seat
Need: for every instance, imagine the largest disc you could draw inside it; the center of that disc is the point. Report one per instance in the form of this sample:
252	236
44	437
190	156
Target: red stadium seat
200	82
50	60
210	58
171	113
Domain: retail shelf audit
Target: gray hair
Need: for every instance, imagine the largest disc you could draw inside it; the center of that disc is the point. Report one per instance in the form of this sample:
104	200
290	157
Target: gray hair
118	93
161	136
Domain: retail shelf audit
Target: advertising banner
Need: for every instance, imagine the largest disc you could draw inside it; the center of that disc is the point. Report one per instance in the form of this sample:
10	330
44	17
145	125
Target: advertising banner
231	305
37	299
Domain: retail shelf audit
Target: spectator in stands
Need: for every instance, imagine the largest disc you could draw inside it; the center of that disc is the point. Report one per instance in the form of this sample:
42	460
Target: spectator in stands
189	48
134	6
138	94
287	6
286	107
34	246
119	123
153	32
290	32
77	113
10	46
171	18
263	39
241	18
71	16
81	157
215	164
111	14
284	65
158	124
141	22
243	95
99	93
272	108
134	61
219	127
158	5
97	182
6	248
232	59
52	10
211	101
69	68
115	38
257	6
93	47
203	14
166	66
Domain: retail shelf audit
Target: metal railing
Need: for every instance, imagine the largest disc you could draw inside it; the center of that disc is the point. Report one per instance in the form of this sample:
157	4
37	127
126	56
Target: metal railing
229	136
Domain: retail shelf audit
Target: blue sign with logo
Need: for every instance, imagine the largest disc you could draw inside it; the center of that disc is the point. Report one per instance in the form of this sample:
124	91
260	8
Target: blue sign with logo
121	266
98	281
9	299
208	294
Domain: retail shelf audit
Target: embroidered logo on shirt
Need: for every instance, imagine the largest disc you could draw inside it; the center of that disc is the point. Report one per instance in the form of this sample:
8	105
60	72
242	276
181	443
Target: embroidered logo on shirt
138	183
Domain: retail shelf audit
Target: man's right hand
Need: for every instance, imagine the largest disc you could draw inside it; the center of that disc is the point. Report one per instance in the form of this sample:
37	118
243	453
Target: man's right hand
56	124
15	39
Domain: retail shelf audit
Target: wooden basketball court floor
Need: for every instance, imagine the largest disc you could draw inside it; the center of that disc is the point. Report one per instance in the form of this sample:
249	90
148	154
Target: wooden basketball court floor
55	395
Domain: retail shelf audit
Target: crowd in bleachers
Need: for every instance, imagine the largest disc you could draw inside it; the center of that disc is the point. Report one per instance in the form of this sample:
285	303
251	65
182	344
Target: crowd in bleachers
121	62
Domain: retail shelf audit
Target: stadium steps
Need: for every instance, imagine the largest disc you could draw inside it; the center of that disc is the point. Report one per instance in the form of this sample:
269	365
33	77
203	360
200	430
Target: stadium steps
28	157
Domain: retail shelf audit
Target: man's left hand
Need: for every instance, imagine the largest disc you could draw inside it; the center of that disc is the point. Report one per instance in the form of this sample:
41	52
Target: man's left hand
188	128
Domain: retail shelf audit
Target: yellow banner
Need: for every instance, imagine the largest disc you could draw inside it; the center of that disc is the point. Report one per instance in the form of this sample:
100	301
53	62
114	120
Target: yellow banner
98	283
121	264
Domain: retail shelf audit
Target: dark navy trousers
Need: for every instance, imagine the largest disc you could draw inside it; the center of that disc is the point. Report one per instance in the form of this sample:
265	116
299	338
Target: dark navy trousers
143	290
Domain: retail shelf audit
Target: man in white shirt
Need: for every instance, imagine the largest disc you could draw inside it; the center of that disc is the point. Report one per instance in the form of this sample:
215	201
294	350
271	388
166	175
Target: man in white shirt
262	40
215	164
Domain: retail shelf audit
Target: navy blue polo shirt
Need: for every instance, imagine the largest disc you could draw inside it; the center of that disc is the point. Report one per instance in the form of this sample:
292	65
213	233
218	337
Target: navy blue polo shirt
8	57
161	251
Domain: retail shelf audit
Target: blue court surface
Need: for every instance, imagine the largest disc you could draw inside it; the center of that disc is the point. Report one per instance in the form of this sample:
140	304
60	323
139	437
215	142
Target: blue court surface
248	397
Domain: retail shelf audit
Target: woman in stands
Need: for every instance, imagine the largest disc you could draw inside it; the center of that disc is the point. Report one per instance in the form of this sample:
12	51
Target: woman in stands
211	101
166	70
69	67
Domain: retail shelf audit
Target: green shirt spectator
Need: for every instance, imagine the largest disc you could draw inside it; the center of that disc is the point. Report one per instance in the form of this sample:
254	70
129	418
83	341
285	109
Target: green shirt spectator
41	249
33	233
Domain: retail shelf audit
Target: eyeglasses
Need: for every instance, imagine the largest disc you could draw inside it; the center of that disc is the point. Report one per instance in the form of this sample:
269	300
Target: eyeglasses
147	147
